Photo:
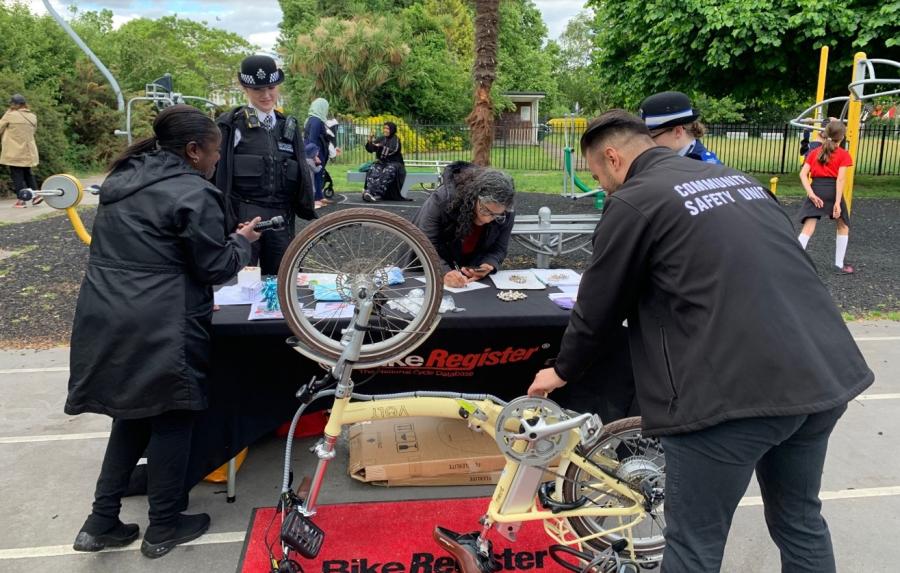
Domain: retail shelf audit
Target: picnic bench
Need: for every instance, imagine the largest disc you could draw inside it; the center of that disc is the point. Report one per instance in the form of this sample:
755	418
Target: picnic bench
549	235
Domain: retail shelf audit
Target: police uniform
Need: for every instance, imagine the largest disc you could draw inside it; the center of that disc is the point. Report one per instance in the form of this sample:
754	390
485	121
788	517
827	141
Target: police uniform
669	109
262	169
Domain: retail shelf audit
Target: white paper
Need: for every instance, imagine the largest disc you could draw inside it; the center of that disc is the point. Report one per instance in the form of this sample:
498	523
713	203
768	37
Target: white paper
248	276
258	312
303	279
502	280
468	288
333	310
570	289
233	295
557	277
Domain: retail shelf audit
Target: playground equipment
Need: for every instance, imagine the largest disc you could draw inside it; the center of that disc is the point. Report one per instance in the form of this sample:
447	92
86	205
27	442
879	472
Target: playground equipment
852	114
63	192
573	186
160	93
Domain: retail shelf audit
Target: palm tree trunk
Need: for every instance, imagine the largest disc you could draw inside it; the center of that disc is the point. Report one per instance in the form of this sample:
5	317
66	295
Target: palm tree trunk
484	71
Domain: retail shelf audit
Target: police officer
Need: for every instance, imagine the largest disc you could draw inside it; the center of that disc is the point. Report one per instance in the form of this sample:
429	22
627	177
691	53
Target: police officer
673	123
262	170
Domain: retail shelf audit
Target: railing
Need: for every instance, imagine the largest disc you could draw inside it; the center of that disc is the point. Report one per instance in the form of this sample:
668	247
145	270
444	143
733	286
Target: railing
750	148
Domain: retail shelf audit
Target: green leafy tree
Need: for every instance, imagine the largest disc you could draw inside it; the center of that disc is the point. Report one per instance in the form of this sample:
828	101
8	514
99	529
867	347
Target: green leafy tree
347	60
762	52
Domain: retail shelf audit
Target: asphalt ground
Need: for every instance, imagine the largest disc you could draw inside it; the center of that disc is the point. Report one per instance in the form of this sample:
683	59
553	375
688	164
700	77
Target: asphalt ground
51	462
42	262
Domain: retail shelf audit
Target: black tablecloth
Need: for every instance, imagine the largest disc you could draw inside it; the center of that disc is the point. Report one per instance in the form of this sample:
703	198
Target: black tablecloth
492	347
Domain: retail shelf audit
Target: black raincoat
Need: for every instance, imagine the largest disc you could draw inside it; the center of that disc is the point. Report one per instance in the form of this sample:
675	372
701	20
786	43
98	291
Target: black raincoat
140	340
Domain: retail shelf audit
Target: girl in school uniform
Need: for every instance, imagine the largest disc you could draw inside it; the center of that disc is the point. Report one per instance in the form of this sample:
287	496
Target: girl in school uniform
823	175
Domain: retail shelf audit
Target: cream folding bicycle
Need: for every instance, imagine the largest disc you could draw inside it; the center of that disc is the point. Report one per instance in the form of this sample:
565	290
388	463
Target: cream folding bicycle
603	507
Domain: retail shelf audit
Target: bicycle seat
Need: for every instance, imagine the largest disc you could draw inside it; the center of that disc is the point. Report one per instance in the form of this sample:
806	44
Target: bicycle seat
464	548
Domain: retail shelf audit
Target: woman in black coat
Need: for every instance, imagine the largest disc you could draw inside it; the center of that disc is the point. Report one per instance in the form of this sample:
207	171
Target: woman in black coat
469	220
385	178
140	341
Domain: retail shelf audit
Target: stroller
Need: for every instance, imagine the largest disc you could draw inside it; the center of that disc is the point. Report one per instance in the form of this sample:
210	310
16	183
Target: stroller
328	184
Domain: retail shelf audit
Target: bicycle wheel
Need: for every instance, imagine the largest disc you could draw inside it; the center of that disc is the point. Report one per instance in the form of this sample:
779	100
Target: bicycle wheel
639	459
352	251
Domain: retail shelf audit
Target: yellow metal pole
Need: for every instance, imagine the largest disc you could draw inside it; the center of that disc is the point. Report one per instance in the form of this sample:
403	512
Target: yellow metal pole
853	125
773	185
78	225
823	71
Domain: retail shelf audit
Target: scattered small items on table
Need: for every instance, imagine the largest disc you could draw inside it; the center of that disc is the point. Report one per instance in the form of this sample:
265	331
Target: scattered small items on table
270	293
511	295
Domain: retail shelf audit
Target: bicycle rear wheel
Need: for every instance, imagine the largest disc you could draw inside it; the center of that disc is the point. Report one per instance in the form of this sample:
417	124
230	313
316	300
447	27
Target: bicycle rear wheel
356	248
639	459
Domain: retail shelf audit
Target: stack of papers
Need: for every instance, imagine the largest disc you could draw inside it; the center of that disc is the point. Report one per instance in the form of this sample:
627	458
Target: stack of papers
236	294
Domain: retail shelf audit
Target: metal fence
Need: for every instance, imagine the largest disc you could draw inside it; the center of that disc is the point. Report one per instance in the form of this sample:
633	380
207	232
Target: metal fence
749	148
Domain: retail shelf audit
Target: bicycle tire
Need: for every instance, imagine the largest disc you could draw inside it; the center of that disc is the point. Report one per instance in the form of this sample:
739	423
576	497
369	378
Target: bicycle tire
313	343
648	554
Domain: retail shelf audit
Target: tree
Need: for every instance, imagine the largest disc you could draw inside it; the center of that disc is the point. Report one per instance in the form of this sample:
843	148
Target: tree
484	72
764	52
347	60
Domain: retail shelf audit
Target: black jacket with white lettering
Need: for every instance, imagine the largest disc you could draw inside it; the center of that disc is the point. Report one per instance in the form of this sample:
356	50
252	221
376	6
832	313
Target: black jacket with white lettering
727	316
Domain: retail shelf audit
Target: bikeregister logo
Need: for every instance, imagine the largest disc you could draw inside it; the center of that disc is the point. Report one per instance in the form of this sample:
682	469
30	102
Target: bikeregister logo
508	560
442	362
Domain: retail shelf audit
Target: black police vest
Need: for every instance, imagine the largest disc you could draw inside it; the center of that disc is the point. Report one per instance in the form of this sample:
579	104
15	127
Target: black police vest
266	171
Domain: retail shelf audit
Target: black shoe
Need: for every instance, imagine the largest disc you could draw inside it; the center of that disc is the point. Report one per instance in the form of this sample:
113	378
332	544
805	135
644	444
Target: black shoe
118	536
160	540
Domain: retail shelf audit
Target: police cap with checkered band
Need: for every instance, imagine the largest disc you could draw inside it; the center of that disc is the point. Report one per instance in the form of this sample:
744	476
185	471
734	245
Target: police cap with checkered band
667	109
260	71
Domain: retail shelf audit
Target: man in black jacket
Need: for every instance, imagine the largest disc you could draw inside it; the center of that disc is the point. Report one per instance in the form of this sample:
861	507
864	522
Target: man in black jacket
741	359
263	170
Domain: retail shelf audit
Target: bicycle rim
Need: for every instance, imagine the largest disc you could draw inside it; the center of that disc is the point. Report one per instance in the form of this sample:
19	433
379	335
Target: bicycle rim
357	247
638	458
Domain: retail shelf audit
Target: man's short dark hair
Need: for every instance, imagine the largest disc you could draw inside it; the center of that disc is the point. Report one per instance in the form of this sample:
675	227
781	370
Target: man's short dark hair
613	123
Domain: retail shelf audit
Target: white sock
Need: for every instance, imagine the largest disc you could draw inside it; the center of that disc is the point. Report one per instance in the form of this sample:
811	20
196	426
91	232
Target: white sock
804	239
840	249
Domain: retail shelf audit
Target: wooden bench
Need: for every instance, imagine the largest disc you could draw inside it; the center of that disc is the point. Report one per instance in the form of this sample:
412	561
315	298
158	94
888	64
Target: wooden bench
549	235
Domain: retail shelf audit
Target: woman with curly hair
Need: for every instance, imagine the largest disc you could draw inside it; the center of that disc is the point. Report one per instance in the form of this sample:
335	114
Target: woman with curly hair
469	220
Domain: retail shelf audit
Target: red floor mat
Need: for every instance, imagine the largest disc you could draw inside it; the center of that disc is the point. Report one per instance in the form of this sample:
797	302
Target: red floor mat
395	537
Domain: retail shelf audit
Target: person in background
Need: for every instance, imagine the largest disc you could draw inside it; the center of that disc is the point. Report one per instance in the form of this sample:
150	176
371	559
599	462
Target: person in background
469	220
140	346
385	178
263	169
823	176
19	150
675	124
315	132
312	160
687	251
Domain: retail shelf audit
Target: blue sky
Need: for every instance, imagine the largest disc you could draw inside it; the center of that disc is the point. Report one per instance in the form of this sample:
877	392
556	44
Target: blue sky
257	21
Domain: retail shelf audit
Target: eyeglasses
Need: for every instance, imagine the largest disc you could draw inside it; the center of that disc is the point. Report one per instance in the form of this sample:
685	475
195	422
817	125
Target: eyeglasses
485	212
653	135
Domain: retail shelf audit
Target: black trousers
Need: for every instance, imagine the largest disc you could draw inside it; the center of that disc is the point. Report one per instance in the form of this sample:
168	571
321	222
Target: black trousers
268	251
707	473
22	177
167	441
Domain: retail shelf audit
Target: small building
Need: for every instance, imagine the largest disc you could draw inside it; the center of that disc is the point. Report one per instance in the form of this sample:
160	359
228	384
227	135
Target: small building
521	125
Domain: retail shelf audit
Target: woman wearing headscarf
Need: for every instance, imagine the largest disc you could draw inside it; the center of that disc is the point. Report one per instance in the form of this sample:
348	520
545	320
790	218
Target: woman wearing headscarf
19	151
314	131
385	178
469	220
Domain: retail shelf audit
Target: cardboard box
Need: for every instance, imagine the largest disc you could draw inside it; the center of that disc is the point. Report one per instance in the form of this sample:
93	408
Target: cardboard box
423	451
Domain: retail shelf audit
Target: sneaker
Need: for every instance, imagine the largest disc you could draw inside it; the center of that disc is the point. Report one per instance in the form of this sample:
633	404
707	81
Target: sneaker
20	205
319	204
369	198
160	540
37	200
119	535
845	270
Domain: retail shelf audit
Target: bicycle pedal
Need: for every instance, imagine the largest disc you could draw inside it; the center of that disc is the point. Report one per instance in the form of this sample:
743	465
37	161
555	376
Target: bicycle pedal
302	535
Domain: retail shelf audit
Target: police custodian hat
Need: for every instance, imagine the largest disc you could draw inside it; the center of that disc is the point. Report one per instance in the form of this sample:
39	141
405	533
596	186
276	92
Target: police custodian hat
667	109
260	71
